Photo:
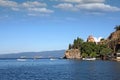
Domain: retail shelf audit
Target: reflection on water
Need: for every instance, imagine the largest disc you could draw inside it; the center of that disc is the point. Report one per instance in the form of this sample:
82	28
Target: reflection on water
45	69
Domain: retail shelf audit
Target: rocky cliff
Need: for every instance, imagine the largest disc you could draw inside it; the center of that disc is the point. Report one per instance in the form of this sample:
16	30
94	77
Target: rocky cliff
114	35
72	54
114	41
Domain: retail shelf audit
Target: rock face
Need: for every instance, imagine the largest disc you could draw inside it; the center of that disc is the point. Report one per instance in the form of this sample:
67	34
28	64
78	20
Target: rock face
114	41
115	35
72	54
90	39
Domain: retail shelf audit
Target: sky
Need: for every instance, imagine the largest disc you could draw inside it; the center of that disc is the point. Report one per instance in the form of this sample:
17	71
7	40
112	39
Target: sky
44	25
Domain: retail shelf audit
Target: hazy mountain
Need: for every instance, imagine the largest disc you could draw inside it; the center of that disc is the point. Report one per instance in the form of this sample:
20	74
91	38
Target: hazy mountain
44	54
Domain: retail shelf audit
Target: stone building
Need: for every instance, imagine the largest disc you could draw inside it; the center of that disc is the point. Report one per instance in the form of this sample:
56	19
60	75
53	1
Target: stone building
90	39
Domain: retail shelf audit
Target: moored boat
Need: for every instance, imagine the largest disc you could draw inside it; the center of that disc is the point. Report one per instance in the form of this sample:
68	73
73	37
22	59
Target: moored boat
118	56
21	59
91	59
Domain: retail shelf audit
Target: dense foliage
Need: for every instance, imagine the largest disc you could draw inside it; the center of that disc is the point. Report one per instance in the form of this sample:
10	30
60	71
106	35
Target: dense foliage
76	44
90	49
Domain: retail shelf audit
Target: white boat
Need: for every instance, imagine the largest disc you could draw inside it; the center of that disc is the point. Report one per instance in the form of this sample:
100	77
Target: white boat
52	59
89	59
118	56
21	59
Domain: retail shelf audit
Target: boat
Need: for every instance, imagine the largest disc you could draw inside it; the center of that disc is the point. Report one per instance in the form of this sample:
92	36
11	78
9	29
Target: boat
21	59
118	56
52	59
89	59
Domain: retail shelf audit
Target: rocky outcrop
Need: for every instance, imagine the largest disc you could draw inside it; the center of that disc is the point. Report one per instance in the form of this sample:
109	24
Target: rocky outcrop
115	35
90	39
72	54
114	41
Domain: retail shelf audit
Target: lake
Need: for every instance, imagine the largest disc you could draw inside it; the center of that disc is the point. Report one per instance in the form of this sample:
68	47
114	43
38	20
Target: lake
59	69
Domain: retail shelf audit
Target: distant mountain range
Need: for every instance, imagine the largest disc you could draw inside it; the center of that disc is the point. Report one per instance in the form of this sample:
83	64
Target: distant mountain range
44	54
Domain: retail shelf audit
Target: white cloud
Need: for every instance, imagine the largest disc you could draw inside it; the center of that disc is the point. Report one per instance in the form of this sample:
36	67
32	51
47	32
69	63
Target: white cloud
70	19
34	14
7	3
73	1
93	1
84	1
33	4
29	6
88	7
15	9
64	6
97	7
37	7
41	10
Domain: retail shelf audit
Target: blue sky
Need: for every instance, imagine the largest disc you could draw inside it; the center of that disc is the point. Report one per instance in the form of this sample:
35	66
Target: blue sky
42	25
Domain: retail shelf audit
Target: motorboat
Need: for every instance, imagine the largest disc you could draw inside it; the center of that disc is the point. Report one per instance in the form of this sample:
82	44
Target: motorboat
118	56
21	59
90	59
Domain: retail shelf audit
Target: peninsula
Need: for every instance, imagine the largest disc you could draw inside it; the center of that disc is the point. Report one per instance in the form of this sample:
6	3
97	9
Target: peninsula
103	48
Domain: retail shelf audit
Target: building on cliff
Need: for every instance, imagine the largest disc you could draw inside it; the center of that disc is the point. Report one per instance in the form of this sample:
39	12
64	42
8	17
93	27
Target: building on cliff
90	39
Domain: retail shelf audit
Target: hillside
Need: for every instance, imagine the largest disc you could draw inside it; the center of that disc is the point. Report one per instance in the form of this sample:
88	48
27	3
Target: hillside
114	41
114	35
44	54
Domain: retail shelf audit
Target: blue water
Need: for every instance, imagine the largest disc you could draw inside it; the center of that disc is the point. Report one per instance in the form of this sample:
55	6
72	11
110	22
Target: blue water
45	69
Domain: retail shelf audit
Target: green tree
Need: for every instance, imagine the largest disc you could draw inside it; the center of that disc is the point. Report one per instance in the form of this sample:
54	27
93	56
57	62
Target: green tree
102	39
105	51
93	54
84	55
88	48
70	46
117	27
77	43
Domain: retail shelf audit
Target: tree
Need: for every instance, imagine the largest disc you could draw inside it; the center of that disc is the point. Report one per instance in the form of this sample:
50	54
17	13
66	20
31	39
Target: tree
93	54
88	48
102	39
70	46
77	43
84	55
117	27
112	44
105	51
